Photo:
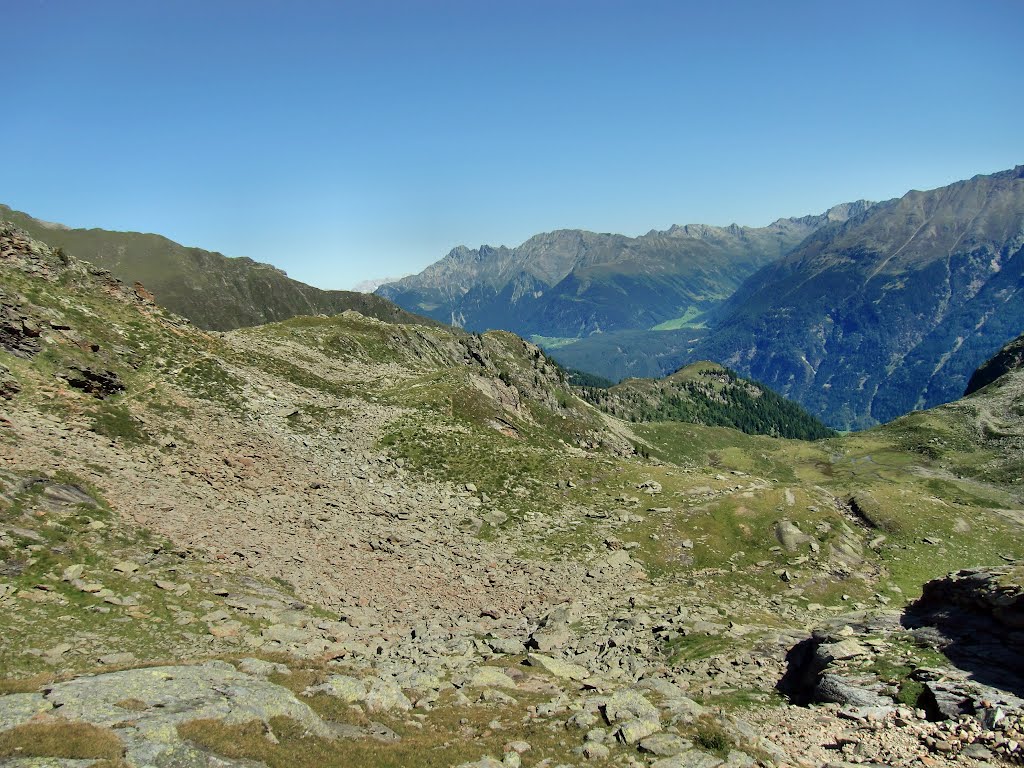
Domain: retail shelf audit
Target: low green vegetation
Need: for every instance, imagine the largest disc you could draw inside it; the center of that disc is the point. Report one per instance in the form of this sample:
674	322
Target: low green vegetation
710	735
114	420
447	735
552	342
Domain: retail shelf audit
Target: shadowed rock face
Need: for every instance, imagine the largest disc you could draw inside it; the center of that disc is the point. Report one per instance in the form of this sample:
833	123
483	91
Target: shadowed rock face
977	616
1009	358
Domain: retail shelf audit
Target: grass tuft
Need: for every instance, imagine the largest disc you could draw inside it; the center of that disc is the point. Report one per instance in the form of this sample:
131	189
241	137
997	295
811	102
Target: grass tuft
62	739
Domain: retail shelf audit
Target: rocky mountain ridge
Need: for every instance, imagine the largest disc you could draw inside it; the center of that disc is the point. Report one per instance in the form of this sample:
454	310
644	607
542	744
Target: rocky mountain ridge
1009	358
891	311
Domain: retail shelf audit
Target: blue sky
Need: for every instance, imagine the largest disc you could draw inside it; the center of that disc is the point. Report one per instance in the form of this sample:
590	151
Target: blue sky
350	140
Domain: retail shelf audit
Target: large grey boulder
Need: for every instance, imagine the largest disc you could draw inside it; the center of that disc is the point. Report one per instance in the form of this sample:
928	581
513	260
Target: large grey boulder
162	699
837	689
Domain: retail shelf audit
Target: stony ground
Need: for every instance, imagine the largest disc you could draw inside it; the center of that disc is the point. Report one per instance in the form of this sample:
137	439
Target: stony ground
336	542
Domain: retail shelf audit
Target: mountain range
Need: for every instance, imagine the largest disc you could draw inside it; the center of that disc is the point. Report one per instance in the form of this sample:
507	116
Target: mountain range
861	314
572	283
888	312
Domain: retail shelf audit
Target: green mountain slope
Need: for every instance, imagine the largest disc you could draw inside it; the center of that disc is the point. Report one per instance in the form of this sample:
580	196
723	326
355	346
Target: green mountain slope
213	291
571	283
706	393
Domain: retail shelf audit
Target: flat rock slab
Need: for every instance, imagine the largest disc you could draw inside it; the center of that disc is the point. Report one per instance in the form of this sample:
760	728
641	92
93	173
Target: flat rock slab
161	699
557	667
491	677
692	759
17	708
665	745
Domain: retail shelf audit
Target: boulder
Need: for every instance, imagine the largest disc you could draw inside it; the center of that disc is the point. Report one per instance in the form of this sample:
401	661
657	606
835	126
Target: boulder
557	667
348	689
167	696
386	696
491	677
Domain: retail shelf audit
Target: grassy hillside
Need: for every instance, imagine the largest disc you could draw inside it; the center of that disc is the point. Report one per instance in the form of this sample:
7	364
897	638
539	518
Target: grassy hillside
213	291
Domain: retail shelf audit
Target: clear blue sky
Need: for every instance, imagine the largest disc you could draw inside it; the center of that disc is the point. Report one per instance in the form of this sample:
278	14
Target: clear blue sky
350	140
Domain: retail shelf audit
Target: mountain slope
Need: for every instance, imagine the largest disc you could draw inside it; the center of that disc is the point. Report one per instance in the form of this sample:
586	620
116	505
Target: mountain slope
385	544
571	283
889	311
706	393
213	291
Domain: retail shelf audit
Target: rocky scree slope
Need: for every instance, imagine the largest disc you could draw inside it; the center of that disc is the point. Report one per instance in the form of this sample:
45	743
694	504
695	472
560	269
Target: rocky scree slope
572	283
213	291
361	543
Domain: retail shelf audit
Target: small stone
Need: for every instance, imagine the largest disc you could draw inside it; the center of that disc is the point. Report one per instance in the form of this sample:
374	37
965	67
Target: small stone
260	668
519	747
